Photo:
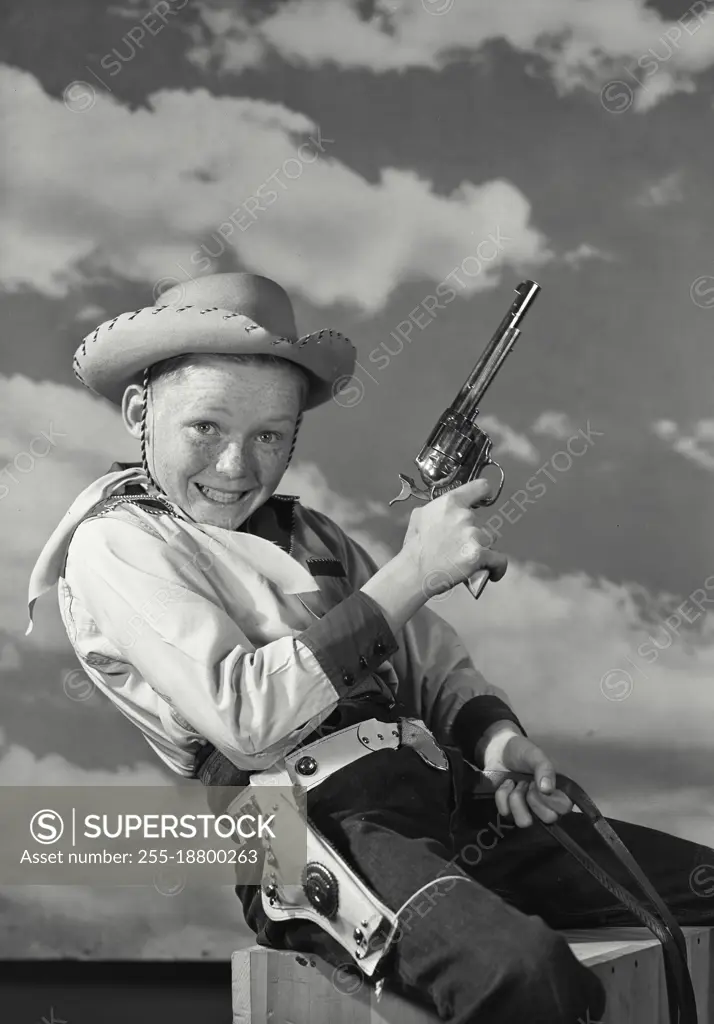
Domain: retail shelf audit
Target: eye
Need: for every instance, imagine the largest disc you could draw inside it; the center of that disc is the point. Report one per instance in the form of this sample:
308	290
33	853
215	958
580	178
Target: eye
270	437
203	427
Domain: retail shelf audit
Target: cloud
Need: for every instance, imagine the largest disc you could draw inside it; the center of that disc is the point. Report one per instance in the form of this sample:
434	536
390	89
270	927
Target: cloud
70	921
698	446
582	253
582	44
579	656
508	441
664	192
665	83
54	440
63	921
91	312
554	424
240	176
21	767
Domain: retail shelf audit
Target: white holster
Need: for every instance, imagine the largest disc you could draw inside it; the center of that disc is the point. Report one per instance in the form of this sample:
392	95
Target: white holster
330	892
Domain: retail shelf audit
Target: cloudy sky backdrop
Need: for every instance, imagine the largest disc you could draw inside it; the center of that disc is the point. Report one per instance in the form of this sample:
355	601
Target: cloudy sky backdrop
366	155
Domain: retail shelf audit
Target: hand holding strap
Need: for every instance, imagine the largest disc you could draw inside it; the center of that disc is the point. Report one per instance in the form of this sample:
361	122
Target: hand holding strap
680	991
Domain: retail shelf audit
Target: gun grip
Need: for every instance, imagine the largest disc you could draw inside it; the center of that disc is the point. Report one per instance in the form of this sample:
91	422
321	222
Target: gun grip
477	582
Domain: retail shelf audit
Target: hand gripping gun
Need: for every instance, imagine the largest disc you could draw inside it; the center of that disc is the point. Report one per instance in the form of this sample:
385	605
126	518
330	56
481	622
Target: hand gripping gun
457	449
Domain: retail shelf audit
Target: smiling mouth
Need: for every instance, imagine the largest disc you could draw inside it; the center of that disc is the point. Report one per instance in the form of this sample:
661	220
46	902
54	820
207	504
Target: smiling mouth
221	497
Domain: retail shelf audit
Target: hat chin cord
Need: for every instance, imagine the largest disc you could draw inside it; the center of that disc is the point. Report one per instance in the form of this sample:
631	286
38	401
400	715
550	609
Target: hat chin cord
144	410
298	421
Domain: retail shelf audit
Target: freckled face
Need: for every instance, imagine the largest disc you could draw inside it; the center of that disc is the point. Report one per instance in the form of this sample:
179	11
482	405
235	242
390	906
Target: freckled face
220	436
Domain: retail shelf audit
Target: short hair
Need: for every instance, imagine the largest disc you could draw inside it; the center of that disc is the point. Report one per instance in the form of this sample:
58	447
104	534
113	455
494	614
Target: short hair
169	369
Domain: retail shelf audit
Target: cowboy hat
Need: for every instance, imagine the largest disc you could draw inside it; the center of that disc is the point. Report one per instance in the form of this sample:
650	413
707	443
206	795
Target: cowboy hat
217	314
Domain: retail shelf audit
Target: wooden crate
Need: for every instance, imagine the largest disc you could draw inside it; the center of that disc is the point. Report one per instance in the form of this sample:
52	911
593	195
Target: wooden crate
630	964
274	987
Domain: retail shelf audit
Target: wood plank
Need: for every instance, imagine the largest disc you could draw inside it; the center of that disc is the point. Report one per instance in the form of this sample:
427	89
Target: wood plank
292	988
240	969
299	993
700	952
259	990
629	963
634	984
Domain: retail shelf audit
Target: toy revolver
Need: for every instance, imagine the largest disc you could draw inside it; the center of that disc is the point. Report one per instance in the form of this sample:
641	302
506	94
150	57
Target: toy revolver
457	450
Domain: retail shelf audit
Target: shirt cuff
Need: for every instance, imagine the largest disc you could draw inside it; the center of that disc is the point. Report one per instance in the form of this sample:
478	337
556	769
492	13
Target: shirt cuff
475	717
350	641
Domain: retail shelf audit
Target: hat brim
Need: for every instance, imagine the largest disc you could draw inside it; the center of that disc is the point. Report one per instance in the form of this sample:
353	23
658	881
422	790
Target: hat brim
111	357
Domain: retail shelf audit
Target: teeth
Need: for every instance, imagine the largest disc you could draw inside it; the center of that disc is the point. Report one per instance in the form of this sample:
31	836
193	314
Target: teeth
223	497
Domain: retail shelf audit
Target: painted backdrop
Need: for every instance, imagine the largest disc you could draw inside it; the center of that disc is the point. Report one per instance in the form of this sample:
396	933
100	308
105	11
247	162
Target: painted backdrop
399	166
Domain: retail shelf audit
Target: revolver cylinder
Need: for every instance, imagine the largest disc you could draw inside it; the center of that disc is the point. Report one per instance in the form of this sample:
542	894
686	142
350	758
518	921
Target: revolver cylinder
455	453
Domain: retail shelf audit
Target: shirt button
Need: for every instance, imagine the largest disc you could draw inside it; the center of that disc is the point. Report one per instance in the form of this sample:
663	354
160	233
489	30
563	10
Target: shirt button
347	678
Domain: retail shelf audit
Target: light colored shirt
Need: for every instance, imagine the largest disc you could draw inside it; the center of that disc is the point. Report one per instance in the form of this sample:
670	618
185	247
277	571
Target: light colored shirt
199	633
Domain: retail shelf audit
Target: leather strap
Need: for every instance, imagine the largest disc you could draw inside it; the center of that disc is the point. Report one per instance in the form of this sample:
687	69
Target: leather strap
680	991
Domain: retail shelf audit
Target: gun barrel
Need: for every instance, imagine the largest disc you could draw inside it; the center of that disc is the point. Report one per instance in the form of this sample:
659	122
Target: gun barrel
503	340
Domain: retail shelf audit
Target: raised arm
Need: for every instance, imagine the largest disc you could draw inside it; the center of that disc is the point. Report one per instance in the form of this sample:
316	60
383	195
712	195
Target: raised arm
438	681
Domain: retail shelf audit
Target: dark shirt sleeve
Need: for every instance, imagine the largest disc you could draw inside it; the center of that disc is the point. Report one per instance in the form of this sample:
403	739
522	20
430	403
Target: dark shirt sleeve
350	641
477	715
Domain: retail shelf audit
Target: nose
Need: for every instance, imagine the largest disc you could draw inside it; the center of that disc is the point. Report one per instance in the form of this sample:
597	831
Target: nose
235	462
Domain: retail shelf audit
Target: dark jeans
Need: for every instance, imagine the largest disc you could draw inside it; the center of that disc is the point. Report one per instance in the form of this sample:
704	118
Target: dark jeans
479	947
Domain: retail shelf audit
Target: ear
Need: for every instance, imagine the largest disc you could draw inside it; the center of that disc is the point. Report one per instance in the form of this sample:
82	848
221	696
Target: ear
132	408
